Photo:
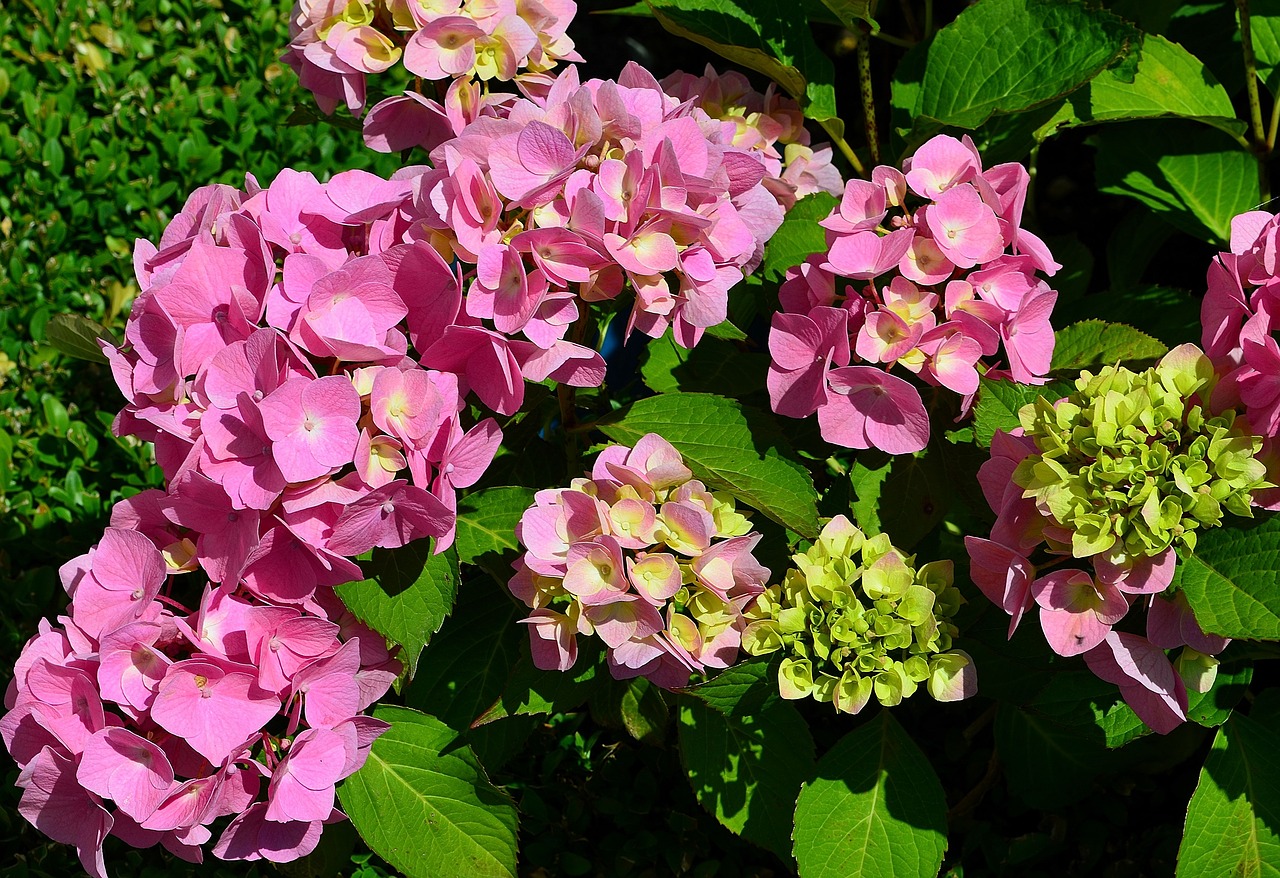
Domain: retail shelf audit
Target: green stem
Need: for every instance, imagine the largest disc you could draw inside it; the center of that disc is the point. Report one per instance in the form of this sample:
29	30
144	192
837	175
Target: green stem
1275	123
868	98
1259	145
835	130
928	19
894	41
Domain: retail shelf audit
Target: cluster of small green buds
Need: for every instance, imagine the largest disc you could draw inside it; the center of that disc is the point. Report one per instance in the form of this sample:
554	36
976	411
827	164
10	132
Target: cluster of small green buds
1131	462
854	618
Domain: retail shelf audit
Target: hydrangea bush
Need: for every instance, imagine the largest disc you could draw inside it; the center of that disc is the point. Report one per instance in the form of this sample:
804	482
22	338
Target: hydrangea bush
372	397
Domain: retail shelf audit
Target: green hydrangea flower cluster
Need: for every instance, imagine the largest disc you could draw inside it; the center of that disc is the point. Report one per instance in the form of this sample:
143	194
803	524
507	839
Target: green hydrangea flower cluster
1131	463
856	618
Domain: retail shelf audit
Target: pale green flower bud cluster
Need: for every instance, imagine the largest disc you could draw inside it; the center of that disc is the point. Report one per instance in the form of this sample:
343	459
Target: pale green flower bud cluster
1131	463
855	618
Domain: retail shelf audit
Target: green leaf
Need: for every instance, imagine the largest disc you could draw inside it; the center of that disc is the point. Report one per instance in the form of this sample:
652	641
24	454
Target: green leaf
1264	27
466	666
1214	707
731	447
867	477
1232	579
1233	821
747	770
875	810
530	691
77	336
1006	56
636	705
1090	707
1169	81
1091	344
407	595
424	804
768	36
487	521
921	490
799	236
711	366
1168	314
746	688
1000	401
1196	177
1047	764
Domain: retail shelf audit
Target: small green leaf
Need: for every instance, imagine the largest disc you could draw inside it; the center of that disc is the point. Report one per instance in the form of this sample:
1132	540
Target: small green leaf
867	477
77	336
875	810
1214	707
1233	821
530	691
747	770
407	596
423	803
730	447
1091	344
1232	579
850	12
799	236
1000	401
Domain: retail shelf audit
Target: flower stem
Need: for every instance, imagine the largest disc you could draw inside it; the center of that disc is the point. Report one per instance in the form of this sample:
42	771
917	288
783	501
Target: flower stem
1260	142
835	130
868	98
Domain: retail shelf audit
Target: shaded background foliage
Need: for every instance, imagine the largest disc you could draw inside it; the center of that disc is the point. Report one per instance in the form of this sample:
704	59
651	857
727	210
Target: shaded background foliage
110	113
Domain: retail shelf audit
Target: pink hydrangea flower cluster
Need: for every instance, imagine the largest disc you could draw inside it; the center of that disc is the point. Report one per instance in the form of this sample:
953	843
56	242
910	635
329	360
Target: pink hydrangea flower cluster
268	358
138	718
1240	314
573	196
453	44
769	124
646	558
938	289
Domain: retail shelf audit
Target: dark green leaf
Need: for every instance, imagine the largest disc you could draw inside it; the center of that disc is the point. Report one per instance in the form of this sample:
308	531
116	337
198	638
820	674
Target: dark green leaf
1000	401
875	810
769	36
487	521
77	336
747	770
746	688
1194	176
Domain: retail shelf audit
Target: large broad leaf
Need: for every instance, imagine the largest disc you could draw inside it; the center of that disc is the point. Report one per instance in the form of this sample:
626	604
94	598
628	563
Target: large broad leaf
487	521
769	36
875	810
1006	56
407	596
1169	81
851	12
731	447
1091	344
78	337
1090	707
1232	579
1170	315
799	236
1196	177
1233	821
747	769
423	803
